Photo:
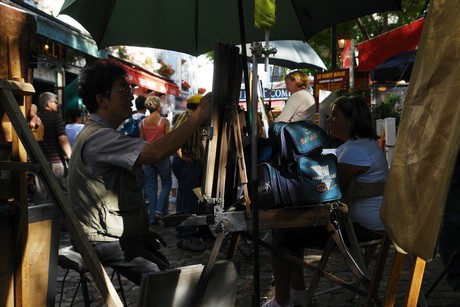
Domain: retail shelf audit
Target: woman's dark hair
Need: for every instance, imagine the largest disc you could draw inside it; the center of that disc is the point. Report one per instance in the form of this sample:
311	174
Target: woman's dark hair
98	78
357	108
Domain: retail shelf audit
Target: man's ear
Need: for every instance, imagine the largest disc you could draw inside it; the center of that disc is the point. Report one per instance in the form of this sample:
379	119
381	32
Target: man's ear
100	99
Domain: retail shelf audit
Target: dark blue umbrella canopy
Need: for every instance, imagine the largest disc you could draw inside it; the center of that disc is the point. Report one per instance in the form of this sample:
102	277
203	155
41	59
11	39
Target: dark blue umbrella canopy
396	68
195	26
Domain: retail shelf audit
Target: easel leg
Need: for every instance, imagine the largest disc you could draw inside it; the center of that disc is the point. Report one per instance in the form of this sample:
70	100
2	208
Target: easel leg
415	282
394	279
206	274
233	245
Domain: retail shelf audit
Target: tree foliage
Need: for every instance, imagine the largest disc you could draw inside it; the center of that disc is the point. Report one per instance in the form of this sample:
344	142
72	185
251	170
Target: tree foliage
366	27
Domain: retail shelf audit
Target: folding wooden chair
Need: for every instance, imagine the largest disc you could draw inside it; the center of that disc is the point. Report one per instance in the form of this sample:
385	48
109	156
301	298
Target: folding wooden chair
361	253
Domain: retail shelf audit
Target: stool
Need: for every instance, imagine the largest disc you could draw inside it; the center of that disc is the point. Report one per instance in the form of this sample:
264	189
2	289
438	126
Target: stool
70	259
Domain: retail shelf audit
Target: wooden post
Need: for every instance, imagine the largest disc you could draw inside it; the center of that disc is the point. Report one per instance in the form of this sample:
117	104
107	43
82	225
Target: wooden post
22	276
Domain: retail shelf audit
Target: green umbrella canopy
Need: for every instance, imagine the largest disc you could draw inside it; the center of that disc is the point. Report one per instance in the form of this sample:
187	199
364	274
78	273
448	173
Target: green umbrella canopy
195	26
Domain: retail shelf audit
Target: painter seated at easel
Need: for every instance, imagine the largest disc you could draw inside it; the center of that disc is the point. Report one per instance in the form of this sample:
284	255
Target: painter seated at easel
359	158
104	196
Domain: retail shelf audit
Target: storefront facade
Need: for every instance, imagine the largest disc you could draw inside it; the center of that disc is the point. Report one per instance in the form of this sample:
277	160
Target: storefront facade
147	84
61	52
275	97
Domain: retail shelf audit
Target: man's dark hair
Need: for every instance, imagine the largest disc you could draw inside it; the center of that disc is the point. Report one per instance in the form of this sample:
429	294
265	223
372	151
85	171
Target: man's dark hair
140	102
74	114
98	78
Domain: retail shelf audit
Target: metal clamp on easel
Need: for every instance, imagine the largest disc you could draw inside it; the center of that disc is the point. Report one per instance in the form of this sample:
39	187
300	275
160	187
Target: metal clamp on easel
257	51
265	51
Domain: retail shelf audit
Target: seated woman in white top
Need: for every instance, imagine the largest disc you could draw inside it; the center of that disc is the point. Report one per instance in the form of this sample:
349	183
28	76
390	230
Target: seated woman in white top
301	104
360	159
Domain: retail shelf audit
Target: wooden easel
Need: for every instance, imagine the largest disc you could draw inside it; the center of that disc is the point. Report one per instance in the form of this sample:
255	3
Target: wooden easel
214	193
9	88
415	277
225	127
223	131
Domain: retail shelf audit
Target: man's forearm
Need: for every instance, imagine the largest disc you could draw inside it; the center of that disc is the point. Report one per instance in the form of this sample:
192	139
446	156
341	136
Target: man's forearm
167	145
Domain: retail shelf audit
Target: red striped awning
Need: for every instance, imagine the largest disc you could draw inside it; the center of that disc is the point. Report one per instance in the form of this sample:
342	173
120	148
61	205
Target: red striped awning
147	80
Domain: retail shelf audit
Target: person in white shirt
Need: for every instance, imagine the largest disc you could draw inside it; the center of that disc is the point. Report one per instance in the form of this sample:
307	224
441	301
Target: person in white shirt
301	104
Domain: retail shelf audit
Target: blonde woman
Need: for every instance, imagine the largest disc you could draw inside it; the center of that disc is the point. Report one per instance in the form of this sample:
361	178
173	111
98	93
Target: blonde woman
154	127
301	104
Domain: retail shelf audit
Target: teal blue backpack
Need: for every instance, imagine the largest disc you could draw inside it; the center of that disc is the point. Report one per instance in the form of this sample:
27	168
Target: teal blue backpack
291	141
302	176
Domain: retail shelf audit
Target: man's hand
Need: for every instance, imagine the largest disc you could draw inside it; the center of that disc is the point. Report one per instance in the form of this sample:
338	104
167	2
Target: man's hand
155	239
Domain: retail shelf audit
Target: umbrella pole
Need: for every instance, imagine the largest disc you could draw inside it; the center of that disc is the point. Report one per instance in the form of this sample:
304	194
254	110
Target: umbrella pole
255	202
245	65
253	125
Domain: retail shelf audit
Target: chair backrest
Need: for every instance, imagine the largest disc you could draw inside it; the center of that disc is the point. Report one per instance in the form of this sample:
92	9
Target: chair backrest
363	189
360	189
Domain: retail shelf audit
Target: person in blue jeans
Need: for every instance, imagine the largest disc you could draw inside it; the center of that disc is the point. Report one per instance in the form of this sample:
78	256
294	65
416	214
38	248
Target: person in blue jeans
158	204
151	128
186	166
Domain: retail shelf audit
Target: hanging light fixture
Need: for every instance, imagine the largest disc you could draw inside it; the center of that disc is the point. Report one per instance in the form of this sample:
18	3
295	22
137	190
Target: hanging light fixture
341	42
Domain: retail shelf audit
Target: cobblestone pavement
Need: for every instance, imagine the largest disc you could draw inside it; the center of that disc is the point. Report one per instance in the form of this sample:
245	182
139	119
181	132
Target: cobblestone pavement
441	296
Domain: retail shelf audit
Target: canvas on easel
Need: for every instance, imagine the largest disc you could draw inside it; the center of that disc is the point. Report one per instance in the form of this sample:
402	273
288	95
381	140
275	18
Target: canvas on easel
426	149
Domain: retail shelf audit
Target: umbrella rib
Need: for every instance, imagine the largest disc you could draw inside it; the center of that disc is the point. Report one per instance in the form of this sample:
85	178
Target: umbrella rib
112	5
196	26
